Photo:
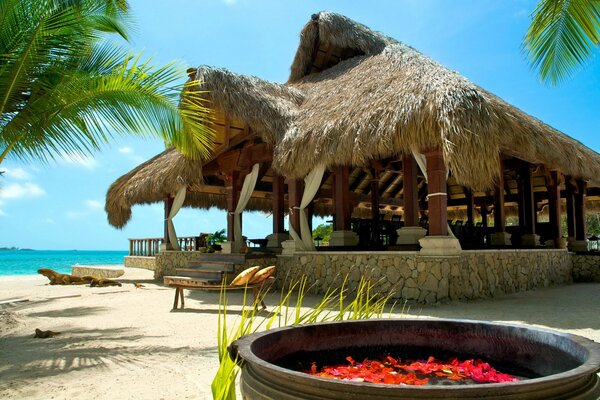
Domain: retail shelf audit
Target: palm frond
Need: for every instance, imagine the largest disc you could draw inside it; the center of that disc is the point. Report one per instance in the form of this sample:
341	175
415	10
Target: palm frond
563	35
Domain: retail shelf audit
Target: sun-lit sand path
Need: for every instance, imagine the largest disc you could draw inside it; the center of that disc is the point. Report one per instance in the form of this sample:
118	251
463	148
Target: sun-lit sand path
126	343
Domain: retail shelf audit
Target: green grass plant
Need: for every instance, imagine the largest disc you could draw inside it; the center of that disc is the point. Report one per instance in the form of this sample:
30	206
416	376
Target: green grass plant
337	304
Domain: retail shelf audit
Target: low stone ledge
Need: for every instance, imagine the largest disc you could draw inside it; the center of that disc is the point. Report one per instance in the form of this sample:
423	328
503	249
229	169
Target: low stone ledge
98	271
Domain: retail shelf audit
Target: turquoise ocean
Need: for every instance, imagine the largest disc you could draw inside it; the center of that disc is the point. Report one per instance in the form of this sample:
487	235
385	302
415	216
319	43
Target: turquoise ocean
26	262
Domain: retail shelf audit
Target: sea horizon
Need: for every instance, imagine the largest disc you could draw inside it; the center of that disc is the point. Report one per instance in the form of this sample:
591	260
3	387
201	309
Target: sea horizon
28	261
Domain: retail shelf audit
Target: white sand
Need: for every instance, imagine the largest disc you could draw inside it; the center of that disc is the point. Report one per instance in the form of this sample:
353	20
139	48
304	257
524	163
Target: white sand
126	343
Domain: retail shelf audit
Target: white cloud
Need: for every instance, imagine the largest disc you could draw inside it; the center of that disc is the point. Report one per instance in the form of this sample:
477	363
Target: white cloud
230	2
78	160
2	213
75	214
126	150
94	205
17	173
20	191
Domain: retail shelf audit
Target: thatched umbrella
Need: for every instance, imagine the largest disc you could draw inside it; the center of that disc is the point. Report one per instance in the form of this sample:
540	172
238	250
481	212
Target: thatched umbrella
388	99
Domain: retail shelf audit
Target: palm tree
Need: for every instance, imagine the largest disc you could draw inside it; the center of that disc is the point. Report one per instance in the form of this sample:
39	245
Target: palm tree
562	36
64	89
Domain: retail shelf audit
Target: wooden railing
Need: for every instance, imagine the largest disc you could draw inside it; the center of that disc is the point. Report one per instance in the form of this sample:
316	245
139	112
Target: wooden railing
150	247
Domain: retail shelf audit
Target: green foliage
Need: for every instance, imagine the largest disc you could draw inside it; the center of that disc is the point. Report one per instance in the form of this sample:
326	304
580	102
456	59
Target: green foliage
335	305
64	89
563	35
216	238
593	223
323	231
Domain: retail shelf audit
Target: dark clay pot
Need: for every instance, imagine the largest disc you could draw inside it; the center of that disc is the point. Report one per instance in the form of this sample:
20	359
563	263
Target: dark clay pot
553	365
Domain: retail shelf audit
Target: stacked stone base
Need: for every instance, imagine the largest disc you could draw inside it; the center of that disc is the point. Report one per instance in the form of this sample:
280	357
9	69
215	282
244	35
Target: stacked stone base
431	279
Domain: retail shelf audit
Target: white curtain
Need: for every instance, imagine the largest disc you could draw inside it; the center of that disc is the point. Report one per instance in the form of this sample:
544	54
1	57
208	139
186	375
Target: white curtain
312	183
245	194
177	203
422	162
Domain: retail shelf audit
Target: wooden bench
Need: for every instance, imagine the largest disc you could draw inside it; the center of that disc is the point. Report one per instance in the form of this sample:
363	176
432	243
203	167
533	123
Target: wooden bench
190	283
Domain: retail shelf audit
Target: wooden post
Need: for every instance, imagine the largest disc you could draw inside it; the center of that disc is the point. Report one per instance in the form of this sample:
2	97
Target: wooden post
168	205
470	200
528	201
232	186
374	172
499	211
342	198
553	187
411	195
294	199
570	193
580	229
484	213
438	198
278	203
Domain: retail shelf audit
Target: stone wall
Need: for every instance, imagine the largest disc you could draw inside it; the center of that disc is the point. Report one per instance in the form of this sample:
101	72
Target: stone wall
139	262
471	275
167	262
586	267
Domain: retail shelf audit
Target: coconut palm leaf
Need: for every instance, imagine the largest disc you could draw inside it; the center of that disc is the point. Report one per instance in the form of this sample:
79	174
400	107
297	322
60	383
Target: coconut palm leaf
562	36
65	91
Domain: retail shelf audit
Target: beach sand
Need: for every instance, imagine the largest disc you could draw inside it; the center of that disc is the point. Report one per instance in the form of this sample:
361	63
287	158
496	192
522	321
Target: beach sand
126	343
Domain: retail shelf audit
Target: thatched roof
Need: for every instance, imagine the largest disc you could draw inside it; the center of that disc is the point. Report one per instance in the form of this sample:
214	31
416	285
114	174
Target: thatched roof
388	99
268	108
355	95
160	176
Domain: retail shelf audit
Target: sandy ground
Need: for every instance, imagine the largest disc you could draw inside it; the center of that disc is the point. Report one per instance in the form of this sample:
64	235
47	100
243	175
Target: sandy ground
127	343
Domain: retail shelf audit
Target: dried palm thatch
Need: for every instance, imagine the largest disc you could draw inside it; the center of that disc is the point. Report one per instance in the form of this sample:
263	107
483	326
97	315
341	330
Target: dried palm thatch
160	176
390	99
150	182
268	108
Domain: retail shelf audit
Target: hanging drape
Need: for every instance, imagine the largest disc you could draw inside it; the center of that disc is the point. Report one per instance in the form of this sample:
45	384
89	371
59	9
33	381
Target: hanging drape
312	183
422	162
245	194
177	203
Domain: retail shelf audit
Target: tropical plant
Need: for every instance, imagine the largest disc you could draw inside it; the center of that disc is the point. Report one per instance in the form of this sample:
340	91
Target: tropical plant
65	90
563	35
216	238
335	305
323	231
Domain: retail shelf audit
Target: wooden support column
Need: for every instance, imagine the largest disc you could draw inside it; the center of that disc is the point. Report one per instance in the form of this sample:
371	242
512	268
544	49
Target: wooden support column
374	172
168	206
411	192
570	194
553	187
294	199
484	213
438	198
528	201
499	210
278	203
342	198
580	229
469	198
232	187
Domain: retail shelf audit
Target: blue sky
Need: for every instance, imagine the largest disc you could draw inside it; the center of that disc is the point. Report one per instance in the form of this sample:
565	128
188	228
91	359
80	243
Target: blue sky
60	205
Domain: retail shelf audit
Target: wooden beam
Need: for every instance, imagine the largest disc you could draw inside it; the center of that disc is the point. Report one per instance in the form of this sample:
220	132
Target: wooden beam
580	229
570	197
294	199
553	186
278	203
411	199
342	198
470	200
438	198
527	199
233	187
499	201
